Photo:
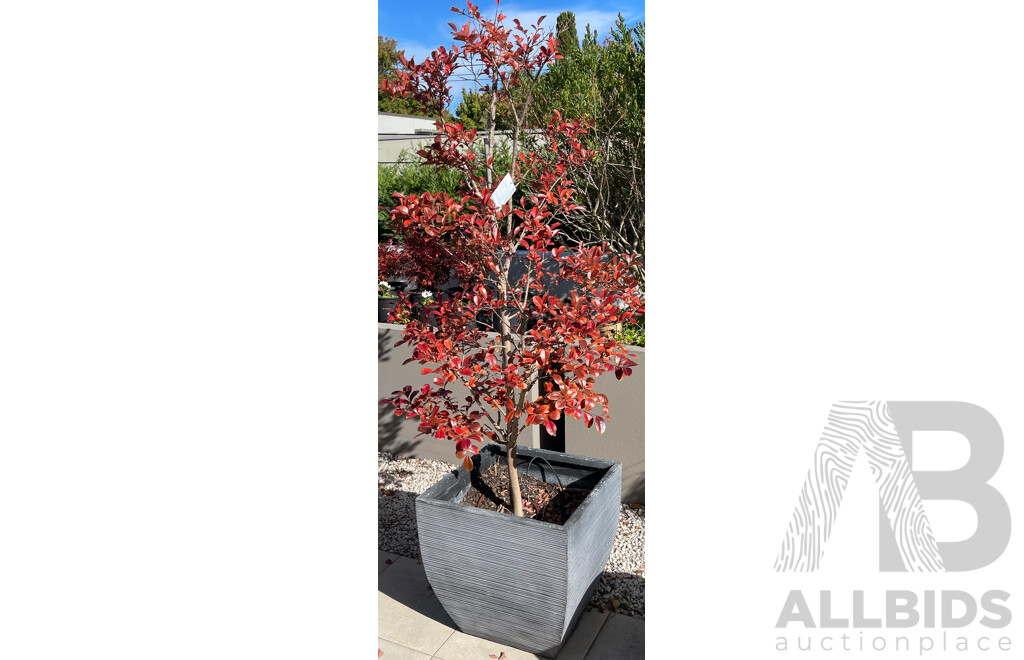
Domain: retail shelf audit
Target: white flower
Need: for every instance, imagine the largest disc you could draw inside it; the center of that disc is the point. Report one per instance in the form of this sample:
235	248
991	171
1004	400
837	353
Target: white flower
427	294
384	285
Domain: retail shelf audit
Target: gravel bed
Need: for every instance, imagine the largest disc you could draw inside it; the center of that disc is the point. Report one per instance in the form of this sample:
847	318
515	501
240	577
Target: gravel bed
400	480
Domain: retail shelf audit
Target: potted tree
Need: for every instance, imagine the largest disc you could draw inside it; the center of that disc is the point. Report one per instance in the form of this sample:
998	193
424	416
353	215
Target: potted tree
510	577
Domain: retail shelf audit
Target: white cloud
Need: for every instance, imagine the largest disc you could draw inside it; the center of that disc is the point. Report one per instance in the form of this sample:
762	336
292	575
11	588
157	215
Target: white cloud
414	49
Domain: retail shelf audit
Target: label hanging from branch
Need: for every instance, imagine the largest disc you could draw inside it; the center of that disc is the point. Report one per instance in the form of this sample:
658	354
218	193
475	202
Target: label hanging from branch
504	191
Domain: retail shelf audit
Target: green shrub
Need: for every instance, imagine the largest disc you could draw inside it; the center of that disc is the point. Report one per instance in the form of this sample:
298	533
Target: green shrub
633	333
409	179
604	79
406	176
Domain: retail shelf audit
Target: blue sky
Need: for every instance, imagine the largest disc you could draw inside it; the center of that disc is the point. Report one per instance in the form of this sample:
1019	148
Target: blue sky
420	26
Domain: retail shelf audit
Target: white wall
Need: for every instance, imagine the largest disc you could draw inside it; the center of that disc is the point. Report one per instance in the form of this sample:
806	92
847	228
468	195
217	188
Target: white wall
394	123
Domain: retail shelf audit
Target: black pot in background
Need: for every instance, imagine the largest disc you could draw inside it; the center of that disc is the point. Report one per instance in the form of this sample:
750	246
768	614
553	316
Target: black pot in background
384	307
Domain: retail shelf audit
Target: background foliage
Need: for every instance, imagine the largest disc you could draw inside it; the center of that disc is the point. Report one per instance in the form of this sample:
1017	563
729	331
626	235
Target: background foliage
605	80
405	177
408	177
387	64
472	112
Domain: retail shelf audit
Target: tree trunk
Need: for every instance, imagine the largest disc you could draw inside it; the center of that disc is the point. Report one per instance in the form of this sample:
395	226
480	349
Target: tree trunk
492	113
505	329
504	315
513	480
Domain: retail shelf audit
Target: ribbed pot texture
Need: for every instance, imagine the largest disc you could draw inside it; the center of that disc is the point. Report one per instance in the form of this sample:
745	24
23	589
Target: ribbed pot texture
519	581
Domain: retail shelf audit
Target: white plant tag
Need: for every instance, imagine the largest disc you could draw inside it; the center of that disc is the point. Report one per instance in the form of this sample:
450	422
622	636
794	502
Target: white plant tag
504	191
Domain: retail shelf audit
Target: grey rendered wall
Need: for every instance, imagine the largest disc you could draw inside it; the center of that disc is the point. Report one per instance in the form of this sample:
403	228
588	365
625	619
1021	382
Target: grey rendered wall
393	122
623	437
390	148
398	435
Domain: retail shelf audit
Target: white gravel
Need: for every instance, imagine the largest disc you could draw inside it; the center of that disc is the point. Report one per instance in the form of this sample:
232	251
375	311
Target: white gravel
400	480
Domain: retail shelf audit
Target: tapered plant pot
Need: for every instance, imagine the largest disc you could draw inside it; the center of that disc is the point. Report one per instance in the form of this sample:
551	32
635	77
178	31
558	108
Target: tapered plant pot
512	580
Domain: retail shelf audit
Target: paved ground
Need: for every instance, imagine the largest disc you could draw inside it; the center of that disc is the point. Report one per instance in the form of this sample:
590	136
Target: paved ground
412	625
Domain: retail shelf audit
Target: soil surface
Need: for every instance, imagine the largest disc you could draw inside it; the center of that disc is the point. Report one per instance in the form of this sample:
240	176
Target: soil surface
543	501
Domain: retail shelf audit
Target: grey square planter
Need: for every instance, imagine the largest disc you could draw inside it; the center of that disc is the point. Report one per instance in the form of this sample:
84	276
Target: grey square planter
512	580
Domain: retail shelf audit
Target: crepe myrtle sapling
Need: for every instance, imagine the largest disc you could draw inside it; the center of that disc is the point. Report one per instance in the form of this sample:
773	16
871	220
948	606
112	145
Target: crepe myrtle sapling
541	338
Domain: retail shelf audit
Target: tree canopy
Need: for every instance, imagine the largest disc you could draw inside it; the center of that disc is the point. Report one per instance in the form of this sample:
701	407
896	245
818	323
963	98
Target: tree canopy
388	65
597	78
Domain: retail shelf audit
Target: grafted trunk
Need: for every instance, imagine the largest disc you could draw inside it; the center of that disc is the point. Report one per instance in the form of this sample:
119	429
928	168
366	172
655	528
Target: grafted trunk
505	331
513	424
513	480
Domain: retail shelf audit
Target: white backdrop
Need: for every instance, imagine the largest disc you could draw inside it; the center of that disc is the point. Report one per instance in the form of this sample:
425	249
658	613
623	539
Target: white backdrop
849	207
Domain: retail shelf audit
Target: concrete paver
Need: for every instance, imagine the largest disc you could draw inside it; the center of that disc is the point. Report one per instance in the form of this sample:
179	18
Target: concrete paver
621	638
461	646
412	625
408	612
583	636
391	651
385	559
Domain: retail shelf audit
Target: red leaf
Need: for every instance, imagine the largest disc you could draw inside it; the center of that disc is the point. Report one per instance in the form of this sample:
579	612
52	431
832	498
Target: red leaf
600	424
467	464
551	428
